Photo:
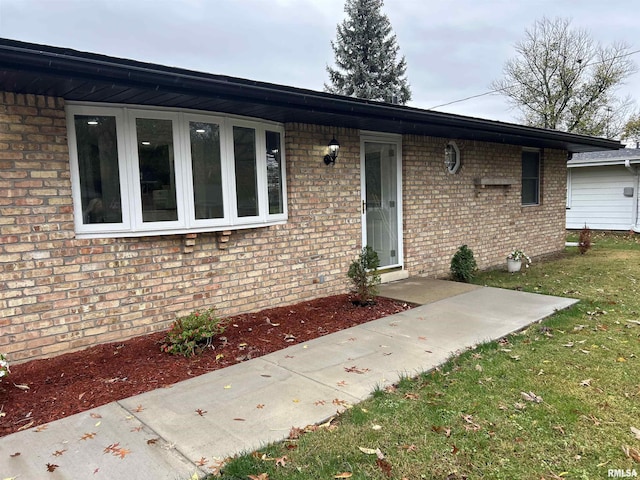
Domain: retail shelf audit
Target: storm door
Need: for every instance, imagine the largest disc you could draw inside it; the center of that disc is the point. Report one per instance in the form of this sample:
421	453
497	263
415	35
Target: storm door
381	199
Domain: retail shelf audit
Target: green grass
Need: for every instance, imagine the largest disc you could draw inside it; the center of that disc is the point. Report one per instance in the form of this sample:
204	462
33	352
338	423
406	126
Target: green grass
469	418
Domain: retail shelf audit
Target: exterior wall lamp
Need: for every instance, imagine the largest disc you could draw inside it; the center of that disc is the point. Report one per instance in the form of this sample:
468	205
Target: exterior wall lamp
451	157
334	146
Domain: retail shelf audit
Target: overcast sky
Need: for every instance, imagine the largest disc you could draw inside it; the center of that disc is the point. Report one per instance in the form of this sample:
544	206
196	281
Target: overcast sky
454	48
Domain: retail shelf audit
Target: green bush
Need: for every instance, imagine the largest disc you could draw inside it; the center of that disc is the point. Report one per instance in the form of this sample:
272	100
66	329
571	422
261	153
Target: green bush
364	276
463	265
191	334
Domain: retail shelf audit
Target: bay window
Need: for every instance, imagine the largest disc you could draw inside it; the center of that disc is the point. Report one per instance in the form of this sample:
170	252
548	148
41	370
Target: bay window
153	172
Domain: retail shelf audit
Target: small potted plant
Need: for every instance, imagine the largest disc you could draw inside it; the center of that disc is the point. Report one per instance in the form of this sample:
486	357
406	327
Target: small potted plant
515	259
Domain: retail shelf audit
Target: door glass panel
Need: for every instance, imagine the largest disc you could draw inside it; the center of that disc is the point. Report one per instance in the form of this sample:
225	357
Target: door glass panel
244	151
274	172
381	201
207	170
98	167
157	169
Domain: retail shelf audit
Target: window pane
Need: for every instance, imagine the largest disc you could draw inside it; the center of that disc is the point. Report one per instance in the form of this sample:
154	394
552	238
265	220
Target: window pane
207	170
274	172
157	169
530	178
244	149
98	166
529	191
530	164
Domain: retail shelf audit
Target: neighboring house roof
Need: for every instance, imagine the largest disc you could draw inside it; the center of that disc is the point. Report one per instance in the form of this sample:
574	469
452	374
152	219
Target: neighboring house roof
599	159
45	70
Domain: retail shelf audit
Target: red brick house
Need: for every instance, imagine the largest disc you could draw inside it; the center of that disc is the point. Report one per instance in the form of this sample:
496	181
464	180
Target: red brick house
133	192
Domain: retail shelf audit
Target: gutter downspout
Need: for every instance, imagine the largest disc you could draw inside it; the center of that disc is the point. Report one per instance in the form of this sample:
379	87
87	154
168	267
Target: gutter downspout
634	215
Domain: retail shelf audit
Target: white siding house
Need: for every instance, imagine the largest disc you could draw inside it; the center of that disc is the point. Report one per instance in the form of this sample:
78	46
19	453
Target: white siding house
602	190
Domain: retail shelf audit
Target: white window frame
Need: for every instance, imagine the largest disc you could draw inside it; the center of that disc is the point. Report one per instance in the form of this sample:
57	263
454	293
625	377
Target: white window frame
128	165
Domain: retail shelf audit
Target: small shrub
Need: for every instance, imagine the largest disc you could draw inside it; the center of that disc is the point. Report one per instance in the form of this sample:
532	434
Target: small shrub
364	276
584	241
191	334
463	265
4	366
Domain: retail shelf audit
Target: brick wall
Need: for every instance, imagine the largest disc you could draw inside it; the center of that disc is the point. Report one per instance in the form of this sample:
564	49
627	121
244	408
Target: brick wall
443	211
59	293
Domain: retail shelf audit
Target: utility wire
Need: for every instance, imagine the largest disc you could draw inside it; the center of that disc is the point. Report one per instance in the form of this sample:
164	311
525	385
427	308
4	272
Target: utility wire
497	90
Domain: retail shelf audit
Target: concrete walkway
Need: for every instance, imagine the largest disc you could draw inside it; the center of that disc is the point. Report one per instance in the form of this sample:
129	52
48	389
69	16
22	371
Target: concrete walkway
175	432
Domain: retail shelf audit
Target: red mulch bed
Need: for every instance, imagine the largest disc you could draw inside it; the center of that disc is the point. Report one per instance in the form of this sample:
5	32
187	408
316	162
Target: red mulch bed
79	381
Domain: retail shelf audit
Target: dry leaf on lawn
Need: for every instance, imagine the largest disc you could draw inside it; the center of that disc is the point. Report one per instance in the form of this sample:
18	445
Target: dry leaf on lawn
636	432
262	476
531	397
343	475
632	453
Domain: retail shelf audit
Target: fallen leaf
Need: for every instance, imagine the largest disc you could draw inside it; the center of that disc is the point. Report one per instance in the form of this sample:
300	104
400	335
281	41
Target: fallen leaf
58	453
478	368
51	467
260	406
341	383
411	396
13	455
28	425
319	402
636	432
227	387
239	419
368	451
531	397
282	461
262	476
454	450
586	383
376	427
201	412
355	369
123	452
621	359
202	462
111	448
41	428
409	448
384	466
295	433
343	475
152	441
23	387
631	453
88	436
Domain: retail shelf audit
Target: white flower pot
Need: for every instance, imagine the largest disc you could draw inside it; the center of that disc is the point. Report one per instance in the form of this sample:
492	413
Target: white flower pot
513	265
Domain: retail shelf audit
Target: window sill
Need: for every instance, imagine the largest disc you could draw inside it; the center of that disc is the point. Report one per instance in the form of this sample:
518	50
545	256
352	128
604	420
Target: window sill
179	231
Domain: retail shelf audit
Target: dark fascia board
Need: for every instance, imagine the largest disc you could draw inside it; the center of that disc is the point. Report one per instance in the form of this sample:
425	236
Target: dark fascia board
58	62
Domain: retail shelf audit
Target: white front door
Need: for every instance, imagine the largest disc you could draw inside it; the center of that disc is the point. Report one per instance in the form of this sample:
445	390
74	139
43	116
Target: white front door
382	198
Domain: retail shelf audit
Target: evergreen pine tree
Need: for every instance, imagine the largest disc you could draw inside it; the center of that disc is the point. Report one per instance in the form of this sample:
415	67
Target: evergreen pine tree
366	56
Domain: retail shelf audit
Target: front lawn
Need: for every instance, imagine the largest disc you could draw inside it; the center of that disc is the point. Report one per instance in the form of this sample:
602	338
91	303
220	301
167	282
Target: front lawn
559	400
